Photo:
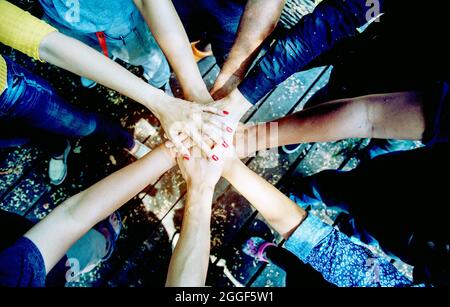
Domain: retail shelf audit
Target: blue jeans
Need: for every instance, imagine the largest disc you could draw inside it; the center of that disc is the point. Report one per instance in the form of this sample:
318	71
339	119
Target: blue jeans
216	21
30	109
132	43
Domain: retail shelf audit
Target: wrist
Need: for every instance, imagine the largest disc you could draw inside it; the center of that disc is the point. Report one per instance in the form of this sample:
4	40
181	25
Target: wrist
157	101
236	104
200	95
200	187
231	171
235	68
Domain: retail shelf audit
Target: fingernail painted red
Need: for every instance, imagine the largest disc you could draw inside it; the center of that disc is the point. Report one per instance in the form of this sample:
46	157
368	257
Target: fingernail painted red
225	144
226	112
215	158
229	129
212	147
186	158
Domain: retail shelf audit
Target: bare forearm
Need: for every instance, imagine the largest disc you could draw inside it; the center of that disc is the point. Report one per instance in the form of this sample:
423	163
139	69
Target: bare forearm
68	222
189	263
169	32
396	116
277	209
82	60
257	23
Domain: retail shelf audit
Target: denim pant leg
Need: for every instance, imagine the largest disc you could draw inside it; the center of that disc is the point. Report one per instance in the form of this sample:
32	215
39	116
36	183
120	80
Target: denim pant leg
225	16
32	102
379	147
138	47
329	187
335	189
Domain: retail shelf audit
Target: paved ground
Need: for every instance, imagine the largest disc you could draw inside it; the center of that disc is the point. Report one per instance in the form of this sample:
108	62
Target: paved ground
153	216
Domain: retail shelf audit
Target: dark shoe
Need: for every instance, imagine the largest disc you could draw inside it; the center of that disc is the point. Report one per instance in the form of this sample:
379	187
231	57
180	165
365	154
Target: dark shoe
290	149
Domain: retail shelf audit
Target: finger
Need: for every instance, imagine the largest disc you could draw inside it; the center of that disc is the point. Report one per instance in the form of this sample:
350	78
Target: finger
215	134
169	144
220	124
215	110
180	148
213	120
188	143
198	140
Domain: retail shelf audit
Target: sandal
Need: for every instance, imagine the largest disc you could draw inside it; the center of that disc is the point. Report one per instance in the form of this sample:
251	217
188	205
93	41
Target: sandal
255	247
198	54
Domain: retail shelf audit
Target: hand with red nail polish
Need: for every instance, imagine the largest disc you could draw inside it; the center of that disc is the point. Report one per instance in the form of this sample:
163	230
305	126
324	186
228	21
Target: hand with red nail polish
202	171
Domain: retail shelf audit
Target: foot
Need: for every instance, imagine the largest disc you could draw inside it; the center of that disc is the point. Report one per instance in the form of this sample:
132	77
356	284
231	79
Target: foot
110	228
289	149
255	248
87	83
57	169
139	150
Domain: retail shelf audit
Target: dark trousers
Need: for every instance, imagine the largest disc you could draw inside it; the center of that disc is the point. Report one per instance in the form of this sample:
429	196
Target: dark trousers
216	21
12	228
30	109
399	199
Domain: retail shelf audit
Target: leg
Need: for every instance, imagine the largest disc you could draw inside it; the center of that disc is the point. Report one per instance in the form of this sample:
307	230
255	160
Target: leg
193	17
224	17
33	103
379	147
330	187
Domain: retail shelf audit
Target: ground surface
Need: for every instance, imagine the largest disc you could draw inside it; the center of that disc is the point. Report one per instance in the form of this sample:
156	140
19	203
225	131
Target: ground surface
152	217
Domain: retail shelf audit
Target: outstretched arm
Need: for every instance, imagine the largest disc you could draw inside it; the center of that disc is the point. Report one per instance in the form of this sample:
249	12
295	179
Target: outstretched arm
189	264
169	32
311	240
176	115
55	234
259	19
80	59
26	33
278	210
314	35
383	116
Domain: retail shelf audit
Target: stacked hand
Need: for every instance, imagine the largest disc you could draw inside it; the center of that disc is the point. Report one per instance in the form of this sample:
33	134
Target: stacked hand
210	126
182	120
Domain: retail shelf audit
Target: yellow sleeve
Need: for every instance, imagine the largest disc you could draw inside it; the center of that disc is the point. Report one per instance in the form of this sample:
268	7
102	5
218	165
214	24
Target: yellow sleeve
21	30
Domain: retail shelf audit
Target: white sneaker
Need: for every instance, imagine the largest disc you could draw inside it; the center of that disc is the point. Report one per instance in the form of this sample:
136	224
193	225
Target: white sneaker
139	150
57	169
